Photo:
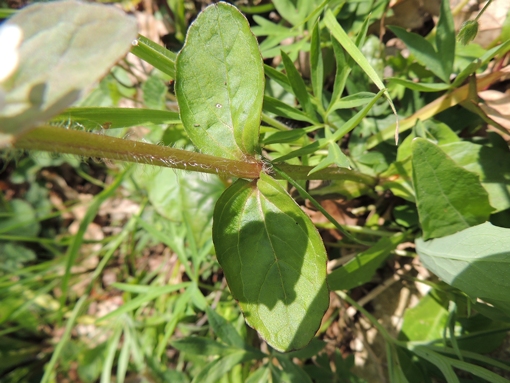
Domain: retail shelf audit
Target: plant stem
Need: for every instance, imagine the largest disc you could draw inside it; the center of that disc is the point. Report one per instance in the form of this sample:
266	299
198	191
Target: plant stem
53	139
66	141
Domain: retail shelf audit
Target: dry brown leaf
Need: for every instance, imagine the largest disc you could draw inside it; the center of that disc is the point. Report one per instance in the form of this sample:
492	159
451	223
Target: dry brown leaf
497	106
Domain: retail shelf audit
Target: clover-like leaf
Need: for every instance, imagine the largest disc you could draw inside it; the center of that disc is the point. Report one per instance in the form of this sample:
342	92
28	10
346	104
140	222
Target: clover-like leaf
274	261
220	84
65	47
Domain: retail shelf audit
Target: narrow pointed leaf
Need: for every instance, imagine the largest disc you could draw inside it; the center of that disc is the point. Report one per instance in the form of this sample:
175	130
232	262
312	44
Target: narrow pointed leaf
449	198
111	118
422	50
361	269
335	157
445	38
298	86
316	63
220	83
65	47
274	261
156	55
224	329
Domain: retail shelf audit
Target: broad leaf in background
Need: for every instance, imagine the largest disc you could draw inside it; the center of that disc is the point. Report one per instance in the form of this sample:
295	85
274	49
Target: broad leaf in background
491	164
475	260
449	198
70	40
220	84
426	321
188	198
274	261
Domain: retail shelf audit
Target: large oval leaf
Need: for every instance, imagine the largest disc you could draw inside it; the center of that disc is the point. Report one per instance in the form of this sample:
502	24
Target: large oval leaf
274	261
475	260
449	198
65	47
220	83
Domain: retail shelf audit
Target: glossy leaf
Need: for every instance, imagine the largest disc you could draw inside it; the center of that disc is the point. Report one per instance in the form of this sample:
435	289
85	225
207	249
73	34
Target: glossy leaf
449	198
475	260
274	261
70	40
220	84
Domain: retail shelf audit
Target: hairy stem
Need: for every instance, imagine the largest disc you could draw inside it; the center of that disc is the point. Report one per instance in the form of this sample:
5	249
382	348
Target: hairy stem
53	139
59	140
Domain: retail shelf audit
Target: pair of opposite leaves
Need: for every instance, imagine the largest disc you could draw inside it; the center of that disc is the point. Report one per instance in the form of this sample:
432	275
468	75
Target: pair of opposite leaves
271	253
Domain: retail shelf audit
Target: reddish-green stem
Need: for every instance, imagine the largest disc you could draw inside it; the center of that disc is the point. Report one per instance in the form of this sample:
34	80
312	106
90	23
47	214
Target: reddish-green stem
58	140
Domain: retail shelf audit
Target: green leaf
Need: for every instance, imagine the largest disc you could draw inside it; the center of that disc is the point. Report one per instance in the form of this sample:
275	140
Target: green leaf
419	86
223	329
154	91
219	367
111	118
440	361
197	345
279	77
335	157
298	86
449	198
294	11
491	164
351	48
353	101
81	41
422	50
317	63
18	217
274	261
426	321
362	268
291	372
156	55
475	260
341	74
284	137
190	197
282	109
220	84
445	39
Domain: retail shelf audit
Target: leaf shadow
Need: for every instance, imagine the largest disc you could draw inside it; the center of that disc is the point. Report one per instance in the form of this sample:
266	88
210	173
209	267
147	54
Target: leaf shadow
282	292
